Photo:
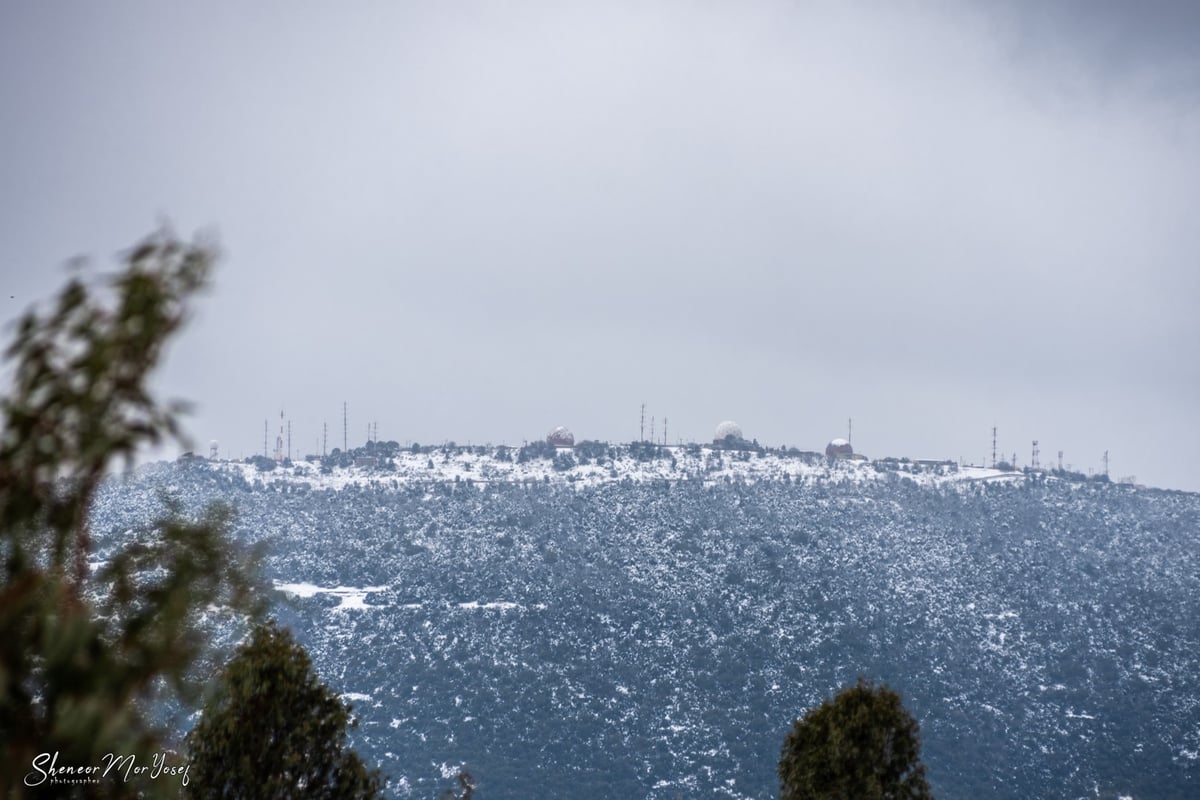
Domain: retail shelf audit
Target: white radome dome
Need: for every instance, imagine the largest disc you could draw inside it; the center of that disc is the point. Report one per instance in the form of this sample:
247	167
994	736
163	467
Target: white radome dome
838	448
561	437
726	429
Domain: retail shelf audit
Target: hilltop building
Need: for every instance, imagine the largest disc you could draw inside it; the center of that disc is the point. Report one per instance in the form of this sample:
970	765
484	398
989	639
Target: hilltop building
728	434
839	448
560	437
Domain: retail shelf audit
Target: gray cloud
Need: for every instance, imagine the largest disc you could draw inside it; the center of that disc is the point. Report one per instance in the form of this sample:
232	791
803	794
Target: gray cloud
1106	45
476	222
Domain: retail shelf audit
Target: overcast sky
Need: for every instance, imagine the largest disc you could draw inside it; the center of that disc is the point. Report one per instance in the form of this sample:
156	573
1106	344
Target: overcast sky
474	222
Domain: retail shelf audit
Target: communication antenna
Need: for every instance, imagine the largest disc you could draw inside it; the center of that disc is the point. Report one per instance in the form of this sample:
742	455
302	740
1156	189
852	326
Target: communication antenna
289	440
642	428
993	447
279	439
664	431
651	428
1034	463
1106	463
850	431
265	423
324	439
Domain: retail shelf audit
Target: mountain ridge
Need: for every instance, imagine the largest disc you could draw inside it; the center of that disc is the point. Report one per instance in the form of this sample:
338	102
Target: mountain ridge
653	633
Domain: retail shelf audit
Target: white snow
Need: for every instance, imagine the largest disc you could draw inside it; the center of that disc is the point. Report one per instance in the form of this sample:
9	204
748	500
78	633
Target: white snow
304	590
352	597
701	463
502	606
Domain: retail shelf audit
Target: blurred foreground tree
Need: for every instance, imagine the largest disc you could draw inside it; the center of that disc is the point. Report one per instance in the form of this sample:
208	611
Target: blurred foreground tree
862	745
273	730
85	654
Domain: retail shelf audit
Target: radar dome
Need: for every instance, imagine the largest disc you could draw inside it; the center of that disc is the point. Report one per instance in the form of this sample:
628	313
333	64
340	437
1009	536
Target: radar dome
561	437
726	429
838	448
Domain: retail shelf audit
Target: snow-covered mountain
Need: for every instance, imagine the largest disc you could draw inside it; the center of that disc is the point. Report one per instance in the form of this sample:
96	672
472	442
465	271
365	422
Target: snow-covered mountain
626	622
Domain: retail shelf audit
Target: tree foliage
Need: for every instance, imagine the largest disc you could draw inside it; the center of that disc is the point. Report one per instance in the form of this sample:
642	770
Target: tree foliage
84	653
273	730
862	745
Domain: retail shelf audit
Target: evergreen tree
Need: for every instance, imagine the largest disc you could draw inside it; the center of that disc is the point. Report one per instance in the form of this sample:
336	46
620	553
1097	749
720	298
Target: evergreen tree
273	730
83	653
862	745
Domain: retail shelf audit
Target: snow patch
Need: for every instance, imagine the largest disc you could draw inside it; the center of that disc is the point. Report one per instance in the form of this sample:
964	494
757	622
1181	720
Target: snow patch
502	606
352	597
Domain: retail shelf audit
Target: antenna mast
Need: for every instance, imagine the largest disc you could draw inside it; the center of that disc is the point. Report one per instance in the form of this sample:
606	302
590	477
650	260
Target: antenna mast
993	447
1106	463
279	439
1034	463
850	431
264	438
642	428
664	431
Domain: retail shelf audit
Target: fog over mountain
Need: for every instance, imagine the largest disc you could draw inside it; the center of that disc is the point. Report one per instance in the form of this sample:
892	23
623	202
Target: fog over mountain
473	222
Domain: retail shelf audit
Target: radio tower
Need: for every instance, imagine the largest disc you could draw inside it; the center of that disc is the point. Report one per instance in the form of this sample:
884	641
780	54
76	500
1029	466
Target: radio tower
1106	463
993	447
652	429
642	428
324	439
265	423
850	431
279	439
289	440
1034	463
664	431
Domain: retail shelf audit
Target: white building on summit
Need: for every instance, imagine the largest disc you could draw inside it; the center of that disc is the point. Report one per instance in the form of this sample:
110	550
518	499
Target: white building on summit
839	448
728	432
560	437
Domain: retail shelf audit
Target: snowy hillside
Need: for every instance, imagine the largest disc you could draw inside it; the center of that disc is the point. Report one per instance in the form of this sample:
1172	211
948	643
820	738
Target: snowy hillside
480	466
648	627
